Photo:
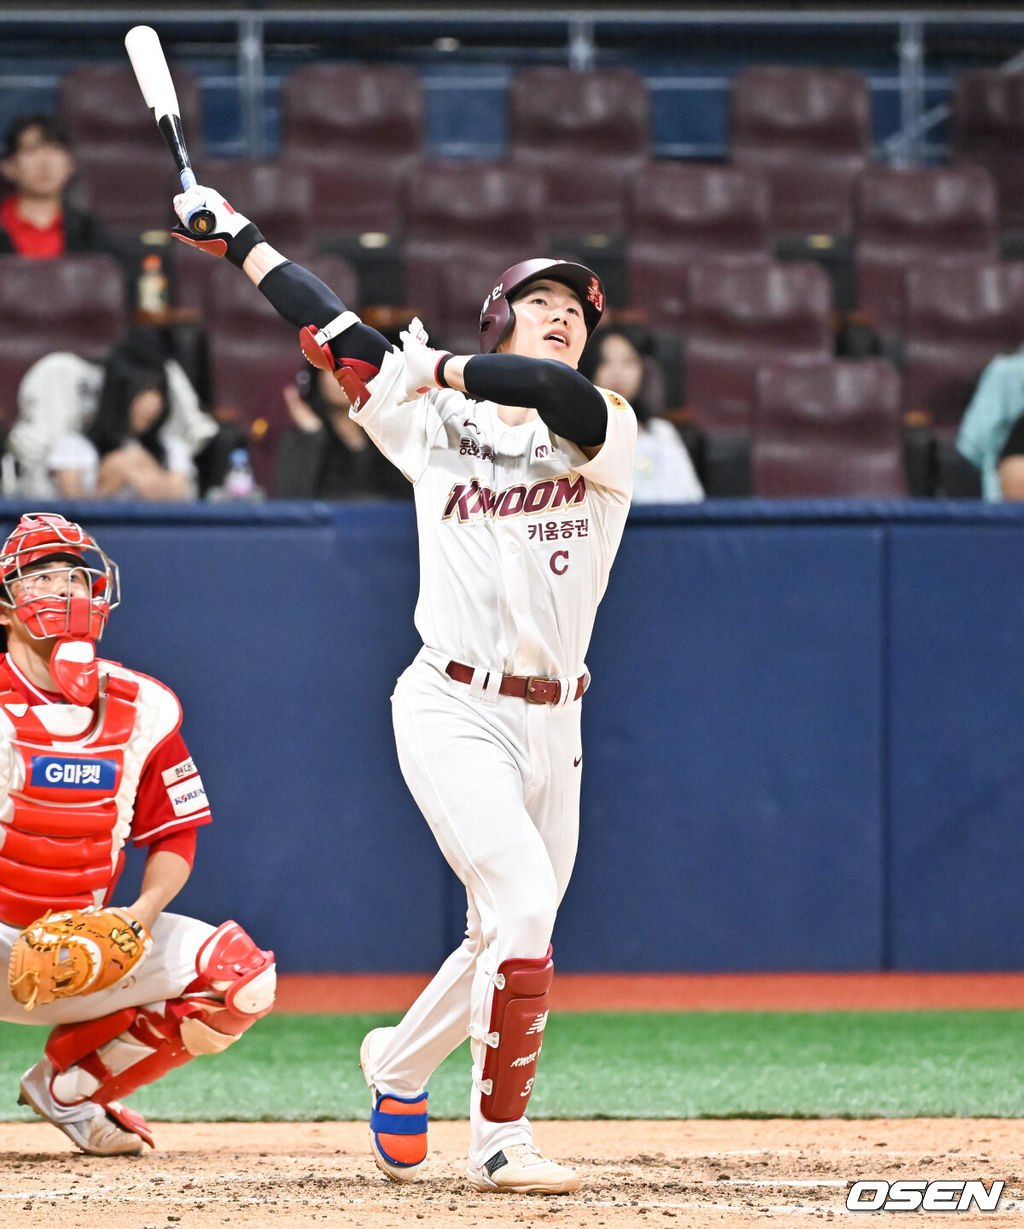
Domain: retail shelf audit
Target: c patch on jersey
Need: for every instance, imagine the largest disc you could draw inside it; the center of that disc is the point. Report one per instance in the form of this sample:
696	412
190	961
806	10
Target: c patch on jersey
188	797
73	772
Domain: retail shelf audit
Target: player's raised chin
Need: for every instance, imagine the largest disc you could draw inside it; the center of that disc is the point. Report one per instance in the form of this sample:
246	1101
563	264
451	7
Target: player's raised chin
549	323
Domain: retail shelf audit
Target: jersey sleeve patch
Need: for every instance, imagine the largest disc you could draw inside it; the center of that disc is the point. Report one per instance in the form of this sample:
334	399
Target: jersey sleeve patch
188	797
179	772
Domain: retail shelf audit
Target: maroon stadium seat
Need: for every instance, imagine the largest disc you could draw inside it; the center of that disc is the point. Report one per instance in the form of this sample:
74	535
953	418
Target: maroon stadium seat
588	133
358	128
254	353
905	216
681	213
809	131
277	196
101	108
987	127
128	203
742	315
828	428
76	303
960	314
455	211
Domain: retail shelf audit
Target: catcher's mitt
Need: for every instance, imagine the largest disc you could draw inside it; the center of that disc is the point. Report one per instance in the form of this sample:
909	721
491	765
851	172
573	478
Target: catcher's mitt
77	952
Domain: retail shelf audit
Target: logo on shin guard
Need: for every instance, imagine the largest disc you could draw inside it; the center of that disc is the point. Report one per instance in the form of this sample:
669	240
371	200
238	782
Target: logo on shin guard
538	1025
526	1060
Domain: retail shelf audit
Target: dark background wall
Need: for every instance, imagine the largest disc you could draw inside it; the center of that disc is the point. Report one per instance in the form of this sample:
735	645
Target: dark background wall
802	743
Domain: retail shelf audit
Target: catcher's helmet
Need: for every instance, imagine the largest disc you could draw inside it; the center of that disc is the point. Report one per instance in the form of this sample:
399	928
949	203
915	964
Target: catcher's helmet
497	318
47	537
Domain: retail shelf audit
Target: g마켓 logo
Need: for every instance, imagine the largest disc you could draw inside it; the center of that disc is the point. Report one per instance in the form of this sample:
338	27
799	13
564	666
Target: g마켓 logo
909	1194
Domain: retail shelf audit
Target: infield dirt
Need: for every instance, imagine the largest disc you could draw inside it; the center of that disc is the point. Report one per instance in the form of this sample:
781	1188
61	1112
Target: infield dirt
736	1172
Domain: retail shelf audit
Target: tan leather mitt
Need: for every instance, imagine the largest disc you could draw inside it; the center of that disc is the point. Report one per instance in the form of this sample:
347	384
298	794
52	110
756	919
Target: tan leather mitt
80	951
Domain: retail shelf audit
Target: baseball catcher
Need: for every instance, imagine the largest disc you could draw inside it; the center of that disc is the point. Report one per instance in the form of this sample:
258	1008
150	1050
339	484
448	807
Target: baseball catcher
91	756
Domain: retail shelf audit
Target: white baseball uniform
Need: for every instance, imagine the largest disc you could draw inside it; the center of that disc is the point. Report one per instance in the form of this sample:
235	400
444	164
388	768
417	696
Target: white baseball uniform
517	534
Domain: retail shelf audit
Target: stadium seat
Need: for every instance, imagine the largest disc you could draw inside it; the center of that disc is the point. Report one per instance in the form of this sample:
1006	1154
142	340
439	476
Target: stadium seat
455	210
76	303
277	196
127	204
909	215
740	316
358	129
101	108
832	427
808	130
960	314
587	132
681	213
987	127
254	354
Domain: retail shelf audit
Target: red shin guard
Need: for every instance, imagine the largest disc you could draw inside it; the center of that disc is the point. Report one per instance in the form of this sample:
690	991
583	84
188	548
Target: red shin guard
519	1012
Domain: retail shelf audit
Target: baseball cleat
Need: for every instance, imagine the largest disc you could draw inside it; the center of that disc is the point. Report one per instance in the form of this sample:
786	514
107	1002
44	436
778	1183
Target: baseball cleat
398	1125
86	1124
522	1169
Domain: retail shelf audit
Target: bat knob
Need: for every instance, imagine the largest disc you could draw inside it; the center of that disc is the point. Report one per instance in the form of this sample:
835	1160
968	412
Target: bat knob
201	222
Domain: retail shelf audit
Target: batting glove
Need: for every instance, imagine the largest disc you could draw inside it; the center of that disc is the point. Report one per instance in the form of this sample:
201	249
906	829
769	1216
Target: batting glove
232	234
424	367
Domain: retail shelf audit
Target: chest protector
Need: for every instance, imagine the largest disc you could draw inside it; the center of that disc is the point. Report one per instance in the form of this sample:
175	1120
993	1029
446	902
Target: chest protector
61	827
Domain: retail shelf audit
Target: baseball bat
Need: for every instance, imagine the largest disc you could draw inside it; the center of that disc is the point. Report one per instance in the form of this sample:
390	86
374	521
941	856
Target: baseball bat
154	77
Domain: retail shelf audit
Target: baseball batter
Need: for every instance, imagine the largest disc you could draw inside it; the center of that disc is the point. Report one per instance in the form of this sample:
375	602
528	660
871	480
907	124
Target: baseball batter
91	757
522	473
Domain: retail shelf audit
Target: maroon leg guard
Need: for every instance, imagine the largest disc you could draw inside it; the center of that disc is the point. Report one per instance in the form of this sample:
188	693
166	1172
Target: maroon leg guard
519	1012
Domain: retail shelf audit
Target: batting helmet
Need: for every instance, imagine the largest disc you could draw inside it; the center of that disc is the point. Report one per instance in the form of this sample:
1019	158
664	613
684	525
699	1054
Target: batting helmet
47	537
497	318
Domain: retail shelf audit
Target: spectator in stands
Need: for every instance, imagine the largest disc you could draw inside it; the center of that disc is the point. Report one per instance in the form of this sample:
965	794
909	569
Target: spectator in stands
991	433
35	219
326	454
130	428
621	359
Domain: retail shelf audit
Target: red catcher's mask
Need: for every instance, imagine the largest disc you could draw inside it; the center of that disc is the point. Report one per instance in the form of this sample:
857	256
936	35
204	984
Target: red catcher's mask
46	537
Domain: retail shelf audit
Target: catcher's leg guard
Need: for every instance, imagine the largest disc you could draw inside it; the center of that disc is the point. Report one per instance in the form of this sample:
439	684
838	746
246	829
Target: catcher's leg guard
519	1012
101	1060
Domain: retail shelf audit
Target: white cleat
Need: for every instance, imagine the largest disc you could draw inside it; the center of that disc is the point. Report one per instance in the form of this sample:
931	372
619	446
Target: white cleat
522	1169
87	1124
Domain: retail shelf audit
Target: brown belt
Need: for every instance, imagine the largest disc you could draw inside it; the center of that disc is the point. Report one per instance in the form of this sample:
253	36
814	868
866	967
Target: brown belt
533	688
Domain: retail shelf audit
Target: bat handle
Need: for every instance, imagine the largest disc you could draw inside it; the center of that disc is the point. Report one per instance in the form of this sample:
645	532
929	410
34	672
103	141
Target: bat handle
199	221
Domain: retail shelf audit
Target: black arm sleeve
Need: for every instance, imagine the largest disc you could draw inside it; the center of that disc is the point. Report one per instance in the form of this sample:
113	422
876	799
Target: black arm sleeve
567	401
303	299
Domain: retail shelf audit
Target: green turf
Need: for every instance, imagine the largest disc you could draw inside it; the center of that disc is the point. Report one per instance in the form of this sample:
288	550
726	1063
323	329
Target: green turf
619	1065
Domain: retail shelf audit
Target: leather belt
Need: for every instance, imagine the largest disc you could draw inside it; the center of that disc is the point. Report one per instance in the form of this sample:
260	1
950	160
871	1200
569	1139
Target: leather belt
533	688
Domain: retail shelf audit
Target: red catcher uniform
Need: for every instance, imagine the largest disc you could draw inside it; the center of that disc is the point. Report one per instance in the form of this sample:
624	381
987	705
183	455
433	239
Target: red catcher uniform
84	770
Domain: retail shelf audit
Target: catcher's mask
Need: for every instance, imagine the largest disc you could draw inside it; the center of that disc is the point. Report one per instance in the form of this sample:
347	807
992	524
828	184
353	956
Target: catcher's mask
497	319
43	538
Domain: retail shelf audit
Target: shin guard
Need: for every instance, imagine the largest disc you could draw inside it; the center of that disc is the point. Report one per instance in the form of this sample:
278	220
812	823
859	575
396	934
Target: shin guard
519	1012
104	1059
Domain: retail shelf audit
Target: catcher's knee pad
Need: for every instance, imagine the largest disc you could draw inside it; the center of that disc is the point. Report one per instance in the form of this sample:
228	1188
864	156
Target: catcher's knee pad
243	978
519	1012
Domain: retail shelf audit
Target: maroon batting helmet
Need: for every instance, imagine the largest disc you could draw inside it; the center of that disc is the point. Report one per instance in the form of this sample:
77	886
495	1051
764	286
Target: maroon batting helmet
497	318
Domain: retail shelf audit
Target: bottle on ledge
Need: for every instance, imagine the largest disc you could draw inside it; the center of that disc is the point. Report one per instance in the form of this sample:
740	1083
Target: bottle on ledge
239	485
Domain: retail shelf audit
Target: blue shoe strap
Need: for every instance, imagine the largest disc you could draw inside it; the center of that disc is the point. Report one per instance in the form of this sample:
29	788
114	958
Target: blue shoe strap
398	1124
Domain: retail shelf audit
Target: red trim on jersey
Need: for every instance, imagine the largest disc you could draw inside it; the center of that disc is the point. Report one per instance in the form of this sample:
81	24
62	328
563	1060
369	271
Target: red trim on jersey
39	242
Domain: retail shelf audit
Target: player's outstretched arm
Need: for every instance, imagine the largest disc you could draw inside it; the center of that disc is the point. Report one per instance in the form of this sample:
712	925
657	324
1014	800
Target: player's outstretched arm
299	297
566	401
